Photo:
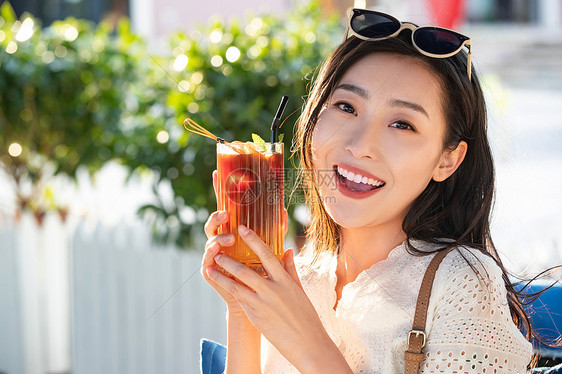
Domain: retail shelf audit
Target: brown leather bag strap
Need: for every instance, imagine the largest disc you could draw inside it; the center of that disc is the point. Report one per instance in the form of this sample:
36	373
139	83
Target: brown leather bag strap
417	337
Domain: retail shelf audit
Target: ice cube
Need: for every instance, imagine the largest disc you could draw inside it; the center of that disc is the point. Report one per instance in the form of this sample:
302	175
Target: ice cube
230	149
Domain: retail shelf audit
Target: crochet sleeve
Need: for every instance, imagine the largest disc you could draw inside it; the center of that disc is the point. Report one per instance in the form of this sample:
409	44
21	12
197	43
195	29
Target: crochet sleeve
469	325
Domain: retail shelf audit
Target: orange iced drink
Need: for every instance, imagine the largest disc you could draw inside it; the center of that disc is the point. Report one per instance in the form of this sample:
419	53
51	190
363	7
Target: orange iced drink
250	189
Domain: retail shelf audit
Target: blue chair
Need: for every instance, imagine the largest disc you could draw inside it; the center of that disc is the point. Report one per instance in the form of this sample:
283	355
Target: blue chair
213	357
545	314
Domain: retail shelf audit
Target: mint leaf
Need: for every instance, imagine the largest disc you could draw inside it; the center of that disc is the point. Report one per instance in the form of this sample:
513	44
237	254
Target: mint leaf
257	139
281	138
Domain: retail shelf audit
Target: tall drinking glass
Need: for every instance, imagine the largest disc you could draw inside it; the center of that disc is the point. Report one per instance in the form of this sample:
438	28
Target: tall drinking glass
250	189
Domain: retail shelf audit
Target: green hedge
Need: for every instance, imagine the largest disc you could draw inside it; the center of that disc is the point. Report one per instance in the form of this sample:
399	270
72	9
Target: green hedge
76	94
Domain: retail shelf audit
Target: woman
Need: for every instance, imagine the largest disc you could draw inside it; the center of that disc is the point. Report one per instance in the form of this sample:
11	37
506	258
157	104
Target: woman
397	121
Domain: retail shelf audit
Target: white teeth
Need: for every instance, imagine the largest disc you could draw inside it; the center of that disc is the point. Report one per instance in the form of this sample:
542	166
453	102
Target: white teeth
357	178
342	171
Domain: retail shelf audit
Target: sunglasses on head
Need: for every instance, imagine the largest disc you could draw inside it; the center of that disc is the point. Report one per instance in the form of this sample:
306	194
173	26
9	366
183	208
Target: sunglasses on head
431	41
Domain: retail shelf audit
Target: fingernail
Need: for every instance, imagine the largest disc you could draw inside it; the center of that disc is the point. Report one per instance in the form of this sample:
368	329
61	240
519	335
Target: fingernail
230	240
210	272
243	230
223	215
218	257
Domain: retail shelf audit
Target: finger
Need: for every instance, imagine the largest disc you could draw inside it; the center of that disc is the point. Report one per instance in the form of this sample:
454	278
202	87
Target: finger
267	258
236	289
209	258
212	248
223	240
240	271
215	220
289	264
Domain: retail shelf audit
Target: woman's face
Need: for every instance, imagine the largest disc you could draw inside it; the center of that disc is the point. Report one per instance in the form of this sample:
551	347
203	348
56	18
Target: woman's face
384	122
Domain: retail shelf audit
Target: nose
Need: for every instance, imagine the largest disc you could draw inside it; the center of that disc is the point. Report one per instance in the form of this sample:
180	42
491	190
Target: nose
363	141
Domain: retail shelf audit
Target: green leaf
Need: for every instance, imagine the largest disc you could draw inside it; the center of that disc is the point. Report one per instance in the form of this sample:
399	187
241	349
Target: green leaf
257	139
281	138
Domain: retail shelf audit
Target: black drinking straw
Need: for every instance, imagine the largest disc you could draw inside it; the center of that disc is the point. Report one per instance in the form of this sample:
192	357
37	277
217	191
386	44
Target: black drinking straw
276	119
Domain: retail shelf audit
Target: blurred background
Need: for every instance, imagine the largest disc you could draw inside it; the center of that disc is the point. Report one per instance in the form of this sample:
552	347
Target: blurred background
103	194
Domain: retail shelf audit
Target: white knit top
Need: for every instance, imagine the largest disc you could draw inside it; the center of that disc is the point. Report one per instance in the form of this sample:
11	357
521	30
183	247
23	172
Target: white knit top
469	328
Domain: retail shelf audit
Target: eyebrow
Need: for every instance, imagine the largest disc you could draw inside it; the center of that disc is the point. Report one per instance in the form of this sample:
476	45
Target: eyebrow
355	89
409	105
393	102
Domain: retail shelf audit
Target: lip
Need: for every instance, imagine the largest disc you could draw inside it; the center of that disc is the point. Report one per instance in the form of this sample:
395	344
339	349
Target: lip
355	194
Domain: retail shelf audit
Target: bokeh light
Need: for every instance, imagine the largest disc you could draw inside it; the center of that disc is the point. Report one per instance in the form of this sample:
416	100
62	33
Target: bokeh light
200	92
227	70
48	57
259	66
25	31
254	51
197	77
173	173
70	33
60	51
180	62
215	36
232	54
216	61
15	149
262	41
251	31
310	37
183	86
271	81
12	47
162	136
16	26
254	27
40	49
193	107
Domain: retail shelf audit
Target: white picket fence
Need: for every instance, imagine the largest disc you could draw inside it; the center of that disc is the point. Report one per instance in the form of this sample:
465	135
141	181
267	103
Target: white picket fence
101	301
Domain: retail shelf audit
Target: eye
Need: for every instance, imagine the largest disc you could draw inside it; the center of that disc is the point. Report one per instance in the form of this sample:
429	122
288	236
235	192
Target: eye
346	107
402	125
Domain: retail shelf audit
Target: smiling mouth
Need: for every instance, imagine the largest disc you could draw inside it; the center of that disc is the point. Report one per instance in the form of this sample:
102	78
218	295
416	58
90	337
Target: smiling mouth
356	182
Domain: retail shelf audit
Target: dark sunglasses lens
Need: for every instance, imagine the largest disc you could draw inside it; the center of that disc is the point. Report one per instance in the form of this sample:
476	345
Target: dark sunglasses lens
438	41
373	25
